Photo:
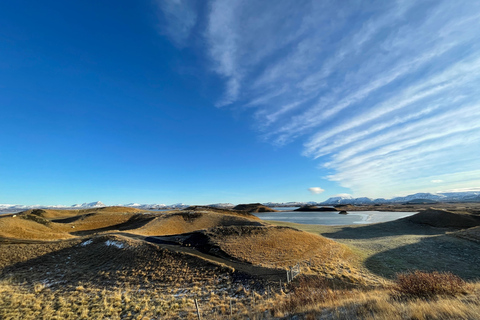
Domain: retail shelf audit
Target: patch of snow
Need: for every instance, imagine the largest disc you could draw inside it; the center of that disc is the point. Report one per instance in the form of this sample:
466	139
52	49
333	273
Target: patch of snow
115	244
86	243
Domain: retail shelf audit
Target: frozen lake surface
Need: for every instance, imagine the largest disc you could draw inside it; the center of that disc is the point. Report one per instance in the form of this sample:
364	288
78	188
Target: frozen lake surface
333	218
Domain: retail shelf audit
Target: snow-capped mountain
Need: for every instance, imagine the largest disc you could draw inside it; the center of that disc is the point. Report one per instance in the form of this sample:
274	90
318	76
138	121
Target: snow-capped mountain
340	199
426	196
289	204
441	197
21	207
466	196
154	206
97	204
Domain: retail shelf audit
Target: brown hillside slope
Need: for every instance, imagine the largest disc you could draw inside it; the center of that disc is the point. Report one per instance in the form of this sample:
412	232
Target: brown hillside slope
183	222
112	260
53	225
95	222
277	246
54	213
20	228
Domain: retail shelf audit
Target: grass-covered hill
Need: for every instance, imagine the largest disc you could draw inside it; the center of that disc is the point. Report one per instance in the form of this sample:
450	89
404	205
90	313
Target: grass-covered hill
124	263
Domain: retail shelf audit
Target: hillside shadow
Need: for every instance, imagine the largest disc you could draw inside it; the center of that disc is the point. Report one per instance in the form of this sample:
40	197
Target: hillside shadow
111	261
72	264
134	222
439	253
385	229
72	219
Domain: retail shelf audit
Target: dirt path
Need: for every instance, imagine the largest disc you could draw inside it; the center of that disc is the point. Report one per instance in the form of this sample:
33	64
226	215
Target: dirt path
268	274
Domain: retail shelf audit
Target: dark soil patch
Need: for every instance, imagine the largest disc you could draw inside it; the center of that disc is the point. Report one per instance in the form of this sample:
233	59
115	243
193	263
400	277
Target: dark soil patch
445	219
253	208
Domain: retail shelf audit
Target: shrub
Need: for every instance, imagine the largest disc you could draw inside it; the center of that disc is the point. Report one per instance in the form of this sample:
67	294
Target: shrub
429	284
305	292
35	218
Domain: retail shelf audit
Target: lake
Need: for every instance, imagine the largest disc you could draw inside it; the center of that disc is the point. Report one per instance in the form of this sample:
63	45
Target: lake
332	218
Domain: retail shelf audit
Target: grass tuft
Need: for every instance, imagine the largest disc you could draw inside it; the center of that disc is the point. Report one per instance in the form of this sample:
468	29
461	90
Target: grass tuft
307	292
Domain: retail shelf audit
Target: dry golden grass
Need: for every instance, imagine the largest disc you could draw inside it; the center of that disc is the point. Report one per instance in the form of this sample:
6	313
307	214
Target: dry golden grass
95	221
64	224
98	275
13	253
106	260
428	284
276	246
113	277
45	224
183	222
86	302
18	228
54	213
313	299
283	247
317	300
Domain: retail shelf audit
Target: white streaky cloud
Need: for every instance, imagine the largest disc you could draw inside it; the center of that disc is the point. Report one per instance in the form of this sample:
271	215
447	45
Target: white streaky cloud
385	173
384	96
474	189
358	135
318	113
456	76
180	18
385	157
460	120
315	190
222	38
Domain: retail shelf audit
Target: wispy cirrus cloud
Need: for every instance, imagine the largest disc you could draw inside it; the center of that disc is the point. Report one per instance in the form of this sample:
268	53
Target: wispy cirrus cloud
180	16
385	96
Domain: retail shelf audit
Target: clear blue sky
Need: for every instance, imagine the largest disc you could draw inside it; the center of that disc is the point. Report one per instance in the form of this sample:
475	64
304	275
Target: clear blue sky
237	101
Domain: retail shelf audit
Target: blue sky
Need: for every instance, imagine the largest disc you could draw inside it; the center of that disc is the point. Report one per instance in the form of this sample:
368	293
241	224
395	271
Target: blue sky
237	101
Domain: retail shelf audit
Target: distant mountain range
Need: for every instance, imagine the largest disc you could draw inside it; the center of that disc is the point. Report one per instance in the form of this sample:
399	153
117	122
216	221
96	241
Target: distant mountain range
86	205
469	196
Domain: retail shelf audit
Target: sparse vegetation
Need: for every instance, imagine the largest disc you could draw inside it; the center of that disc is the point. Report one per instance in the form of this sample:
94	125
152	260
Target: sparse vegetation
429	284
85	264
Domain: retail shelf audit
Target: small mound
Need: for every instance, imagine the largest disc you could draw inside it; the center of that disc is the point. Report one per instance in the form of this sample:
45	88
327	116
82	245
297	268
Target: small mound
220	210
184	222
114	260
275	246
27	227
49	213
445	219
253	208
54	213
315	209
100	222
